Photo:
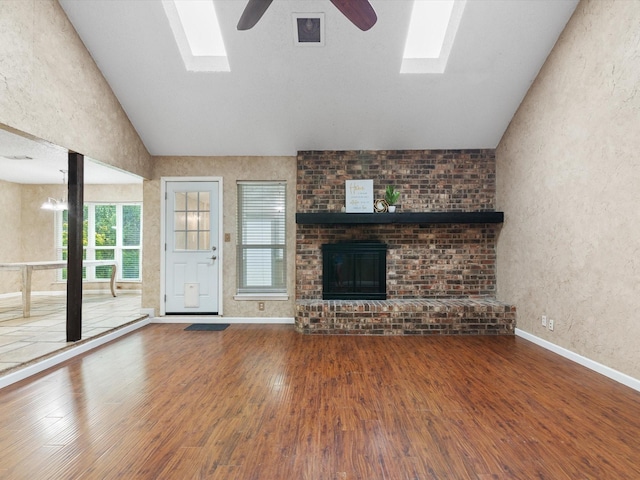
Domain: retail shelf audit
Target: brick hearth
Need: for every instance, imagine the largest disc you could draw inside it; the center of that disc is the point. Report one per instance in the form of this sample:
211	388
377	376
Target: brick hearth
405	317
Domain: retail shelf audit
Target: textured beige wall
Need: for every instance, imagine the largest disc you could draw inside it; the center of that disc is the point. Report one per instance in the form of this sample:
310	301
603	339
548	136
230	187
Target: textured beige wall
10	241
569	183
113	193
231	169
50	88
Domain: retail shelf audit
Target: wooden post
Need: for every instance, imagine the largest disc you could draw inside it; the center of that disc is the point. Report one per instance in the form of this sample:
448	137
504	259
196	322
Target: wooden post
74	247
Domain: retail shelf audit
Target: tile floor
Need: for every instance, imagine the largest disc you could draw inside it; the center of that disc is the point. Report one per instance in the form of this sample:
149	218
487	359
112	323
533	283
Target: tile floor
24	340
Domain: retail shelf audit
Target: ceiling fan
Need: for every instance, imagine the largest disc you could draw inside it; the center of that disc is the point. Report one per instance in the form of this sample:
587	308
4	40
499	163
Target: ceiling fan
359	12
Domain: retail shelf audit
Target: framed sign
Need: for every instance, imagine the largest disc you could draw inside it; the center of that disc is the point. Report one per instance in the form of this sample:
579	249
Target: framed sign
359	196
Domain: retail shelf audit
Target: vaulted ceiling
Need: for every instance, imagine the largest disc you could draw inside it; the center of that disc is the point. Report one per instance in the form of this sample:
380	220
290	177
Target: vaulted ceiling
279	98
349	94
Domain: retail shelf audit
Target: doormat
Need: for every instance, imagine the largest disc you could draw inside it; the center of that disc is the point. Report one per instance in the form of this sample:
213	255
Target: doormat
207	327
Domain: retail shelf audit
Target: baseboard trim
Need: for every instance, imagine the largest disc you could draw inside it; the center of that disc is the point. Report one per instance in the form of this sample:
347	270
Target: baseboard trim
609	372
51	293
59	293
214	319
40	366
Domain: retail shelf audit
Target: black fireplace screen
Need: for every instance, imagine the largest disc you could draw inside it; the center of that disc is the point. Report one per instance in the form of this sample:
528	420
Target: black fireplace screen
354	271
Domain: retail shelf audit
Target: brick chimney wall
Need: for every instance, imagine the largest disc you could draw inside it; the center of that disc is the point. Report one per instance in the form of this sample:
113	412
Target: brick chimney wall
423	261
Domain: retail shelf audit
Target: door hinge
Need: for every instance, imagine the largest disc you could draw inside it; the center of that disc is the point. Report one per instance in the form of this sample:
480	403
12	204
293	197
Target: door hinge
165	247
165	298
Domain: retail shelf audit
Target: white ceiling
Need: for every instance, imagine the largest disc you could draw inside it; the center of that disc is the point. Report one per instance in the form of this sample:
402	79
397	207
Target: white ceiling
348	95
45	162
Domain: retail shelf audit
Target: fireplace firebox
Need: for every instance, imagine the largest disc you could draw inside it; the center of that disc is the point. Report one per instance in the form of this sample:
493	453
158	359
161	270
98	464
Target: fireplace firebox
354	271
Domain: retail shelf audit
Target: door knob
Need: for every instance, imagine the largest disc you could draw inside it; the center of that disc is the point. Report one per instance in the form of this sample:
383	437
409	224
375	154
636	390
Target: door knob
213	249
213	257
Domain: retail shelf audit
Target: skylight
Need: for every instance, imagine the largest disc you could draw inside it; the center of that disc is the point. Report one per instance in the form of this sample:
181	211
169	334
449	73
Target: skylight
432	30
197	32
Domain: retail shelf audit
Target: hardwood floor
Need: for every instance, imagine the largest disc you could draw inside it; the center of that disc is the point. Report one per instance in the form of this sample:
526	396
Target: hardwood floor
263	402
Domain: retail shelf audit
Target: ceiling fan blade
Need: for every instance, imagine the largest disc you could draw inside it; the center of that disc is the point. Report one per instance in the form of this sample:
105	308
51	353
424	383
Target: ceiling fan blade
252	13
360	12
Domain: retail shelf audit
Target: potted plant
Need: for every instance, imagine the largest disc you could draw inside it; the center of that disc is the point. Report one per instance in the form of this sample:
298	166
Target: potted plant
391	196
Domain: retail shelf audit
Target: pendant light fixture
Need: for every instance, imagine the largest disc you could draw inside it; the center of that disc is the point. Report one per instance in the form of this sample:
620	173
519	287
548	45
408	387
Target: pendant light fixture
55	204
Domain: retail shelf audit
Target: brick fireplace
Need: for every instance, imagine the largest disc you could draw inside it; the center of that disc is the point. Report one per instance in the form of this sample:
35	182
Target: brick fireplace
445	263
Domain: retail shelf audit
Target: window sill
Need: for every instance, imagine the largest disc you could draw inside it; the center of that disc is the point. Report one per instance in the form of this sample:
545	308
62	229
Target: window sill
261	296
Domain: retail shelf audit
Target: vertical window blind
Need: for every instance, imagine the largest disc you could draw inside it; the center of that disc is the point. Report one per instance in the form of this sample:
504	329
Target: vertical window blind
261	237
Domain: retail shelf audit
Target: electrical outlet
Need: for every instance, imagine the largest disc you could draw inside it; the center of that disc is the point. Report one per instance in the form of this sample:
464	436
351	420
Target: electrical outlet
544	320
551	322
260	306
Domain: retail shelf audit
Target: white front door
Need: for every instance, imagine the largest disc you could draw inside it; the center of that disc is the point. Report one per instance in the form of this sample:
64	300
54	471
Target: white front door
192	253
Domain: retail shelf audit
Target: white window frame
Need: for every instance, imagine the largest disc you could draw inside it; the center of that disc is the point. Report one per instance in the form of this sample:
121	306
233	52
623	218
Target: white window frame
89	273
270	291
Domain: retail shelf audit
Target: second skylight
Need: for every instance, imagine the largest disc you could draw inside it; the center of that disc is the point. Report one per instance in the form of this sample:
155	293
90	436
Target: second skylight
432	30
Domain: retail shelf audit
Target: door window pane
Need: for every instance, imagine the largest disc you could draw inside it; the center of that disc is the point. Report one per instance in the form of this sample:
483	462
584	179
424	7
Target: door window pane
192	241
181	201
180	240
203	238
192	221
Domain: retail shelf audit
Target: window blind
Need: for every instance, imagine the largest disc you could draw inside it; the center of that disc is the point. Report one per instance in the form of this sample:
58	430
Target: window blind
261	237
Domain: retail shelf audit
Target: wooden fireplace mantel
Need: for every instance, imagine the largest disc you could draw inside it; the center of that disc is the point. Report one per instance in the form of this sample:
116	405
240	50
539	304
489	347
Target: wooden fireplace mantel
408	217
